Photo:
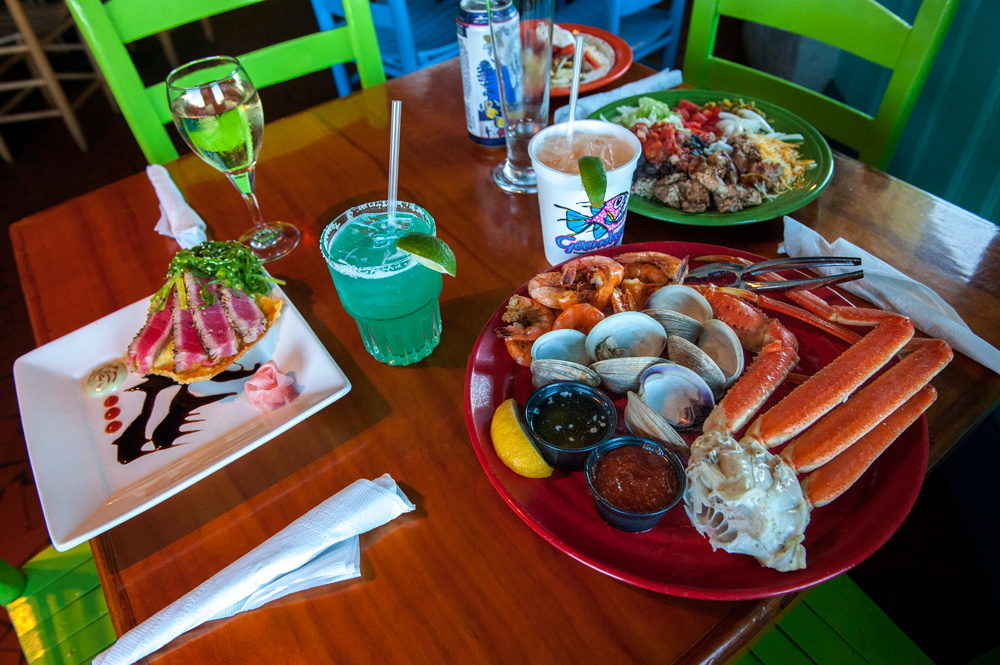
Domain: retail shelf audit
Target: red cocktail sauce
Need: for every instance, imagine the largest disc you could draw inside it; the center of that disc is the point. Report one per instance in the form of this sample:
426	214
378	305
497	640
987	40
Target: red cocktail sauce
635	479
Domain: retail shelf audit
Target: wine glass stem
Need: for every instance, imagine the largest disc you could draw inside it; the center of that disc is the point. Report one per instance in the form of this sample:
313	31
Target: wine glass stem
243	180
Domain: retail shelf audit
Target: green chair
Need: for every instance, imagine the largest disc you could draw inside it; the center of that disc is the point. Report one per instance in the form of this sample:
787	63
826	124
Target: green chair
57	607
835	624
110	26
861	27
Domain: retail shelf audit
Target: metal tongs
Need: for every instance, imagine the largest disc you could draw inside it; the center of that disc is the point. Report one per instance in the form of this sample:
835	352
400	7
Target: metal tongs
744	274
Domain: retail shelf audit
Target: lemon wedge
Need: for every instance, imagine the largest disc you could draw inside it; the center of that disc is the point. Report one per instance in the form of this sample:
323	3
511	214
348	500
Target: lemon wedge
513	445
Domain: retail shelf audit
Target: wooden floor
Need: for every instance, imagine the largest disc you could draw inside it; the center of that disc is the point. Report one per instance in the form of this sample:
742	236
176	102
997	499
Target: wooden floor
936	578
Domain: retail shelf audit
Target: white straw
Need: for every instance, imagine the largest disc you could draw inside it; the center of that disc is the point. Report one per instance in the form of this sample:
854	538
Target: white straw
574	87
397	108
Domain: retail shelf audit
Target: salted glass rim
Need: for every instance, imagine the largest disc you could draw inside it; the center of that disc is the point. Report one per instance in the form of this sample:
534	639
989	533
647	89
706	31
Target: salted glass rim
397	265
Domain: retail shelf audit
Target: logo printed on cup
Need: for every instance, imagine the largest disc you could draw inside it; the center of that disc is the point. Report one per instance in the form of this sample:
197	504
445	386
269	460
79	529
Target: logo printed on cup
602	228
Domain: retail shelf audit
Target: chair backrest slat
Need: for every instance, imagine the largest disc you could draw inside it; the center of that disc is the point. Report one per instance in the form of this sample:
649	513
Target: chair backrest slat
109	27
864	28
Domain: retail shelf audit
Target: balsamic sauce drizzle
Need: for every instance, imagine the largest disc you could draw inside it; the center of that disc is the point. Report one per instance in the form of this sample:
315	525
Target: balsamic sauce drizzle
179	413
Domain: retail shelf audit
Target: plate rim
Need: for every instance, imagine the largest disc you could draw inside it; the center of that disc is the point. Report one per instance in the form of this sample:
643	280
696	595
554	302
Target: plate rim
618	45
93	523
751	215
904	501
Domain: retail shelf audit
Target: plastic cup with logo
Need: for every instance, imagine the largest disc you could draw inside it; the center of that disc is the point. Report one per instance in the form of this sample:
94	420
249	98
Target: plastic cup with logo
571	224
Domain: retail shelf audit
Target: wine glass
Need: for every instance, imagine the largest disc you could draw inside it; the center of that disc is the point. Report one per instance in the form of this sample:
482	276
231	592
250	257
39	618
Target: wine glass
217	110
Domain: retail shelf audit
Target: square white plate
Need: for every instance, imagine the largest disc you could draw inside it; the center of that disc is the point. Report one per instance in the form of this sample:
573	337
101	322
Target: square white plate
83	489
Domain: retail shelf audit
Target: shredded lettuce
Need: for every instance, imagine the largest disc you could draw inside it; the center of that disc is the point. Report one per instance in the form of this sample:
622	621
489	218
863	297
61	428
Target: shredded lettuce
648	110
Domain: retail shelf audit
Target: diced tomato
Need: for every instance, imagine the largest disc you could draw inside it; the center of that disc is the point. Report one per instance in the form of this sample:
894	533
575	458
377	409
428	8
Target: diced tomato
698	117
564	50
591	59
691	107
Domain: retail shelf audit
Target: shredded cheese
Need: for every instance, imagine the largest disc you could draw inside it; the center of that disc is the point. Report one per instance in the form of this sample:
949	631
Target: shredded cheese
785	154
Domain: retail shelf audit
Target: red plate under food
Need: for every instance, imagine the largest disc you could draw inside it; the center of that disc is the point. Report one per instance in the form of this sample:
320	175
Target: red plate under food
621	49
673	558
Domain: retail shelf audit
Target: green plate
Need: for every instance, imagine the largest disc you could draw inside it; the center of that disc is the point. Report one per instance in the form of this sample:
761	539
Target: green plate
813	146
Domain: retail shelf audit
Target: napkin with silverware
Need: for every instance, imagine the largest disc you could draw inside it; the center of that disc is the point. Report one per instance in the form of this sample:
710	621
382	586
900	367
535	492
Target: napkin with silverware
890	289
319	548
177	219
668	78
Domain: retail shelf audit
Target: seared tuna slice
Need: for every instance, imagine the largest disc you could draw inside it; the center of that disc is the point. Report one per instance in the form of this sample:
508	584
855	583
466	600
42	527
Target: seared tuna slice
189	352
244	314
210	320
150	339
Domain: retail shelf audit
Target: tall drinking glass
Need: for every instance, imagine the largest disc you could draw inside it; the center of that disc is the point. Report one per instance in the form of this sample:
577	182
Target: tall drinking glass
521	31
217	110
391	297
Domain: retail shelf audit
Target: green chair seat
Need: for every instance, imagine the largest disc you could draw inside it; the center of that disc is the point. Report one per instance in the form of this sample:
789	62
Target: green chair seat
110	26
835	624
862	27
57	607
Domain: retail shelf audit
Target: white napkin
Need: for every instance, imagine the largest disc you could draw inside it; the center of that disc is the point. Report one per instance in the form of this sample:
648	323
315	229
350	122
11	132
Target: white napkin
318	548
668	78
177	219
890	289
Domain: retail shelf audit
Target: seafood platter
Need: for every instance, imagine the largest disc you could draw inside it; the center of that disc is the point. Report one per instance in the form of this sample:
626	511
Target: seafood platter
160	394
781	490
714	158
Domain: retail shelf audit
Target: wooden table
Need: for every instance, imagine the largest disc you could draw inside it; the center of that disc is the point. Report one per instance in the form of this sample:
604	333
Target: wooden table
461	579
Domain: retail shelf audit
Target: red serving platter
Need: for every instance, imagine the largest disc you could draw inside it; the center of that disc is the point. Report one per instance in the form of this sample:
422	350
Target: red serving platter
673	558
621	49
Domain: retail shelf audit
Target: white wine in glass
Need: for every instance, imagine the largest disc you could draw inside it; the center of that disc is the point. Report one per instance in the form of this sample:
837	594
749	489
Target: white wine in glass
217	110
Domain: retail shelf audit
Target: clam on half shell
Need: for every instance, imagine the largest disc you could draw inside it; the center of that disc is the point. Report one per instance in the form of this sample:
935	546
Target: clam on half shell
681	299
551	370
677	394
720	342
643	421
620	375
626	334
561	344
684	353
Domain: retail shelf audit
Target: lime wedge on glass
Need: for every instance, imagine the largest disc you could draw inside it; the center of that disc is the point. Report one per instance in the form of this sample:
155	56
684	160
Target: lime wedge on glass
595	179
430	251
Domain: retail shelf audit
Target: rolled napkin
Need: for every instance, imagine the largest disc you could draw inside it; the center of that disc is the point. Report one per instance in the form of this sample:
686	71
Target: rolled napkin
177	219
668	78
318	548
890	289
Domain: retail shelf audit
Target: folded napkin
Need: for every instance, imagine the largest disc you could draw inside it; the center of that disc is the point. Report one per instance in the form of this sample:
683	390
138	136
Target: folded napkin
668	78
177	219
318	548
890	289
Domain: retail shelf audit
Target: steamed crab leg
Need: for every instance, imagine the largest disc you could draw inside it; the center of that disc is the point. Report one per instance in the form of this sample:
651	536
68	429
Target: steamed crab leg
777	353
865	410
837	476
831	385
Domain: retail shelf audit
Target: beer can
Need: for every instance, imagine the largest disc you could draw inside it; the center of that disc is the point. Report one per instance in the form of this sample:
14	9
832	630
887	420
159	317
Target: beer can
480	84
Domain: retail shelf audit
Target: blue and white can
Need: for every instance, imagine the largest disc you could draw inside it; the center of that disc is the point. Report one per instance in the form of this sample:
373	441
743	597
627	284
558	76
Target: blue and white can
483	107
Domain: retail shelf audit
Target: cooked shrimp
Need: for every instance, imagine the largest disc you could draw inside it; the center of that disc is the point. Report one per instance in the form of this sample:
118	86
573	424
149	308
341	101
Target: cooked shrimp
581	316
645	272
528	320
588	279
519	350
622	300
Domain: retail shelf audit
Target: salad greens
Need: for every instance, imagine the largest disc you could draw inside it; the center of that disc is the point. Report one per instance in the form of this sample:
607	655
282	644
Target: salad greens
649	111
229	263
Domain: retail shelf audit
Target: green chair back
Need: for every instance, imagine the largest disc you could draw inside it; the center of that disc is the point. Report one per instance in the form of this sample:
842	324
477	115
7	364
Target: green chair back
110	26
57	607
861	27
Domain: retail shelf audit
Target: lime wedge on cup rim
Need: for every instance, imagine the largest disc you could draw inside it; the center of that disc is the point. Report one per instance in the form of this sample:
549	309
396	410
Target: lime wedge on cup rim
595	179
429	251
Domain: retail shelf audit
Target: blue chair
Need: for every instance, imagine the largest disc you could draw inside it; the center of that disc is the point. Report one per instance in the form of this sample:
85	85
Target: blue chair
412	34
641	23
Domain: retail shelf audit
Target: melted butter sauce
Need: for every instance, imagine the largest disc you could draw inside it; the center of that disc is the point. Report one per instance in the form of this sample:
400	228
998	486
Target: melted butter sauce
180	412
